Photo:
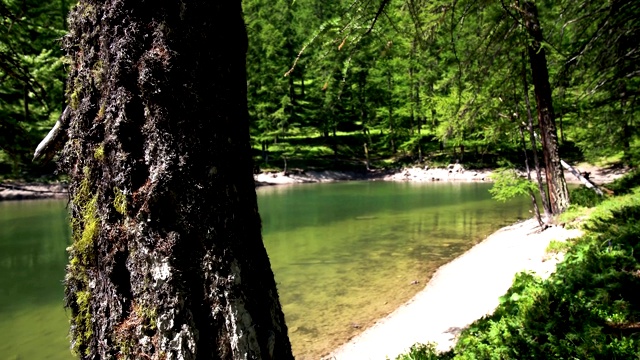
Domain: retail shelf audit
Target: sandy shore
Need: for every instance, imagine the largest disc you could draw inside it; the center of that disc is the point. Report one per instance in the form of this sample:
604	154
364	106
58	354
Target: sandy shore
454	172
459	293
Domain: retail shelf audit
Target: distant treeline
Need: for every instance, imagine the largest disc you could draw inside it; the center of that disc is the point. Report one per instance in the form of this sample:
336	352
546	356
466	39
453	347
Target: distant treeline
345	79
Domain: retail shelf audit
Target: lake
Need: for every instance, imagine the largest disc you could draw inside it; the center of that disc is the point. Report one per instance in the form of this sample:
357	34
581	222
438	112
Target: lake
344	254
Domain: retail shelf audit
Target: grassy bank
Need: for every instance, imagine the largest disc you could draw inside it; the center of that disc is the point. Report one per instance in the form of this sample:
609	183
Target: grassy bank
588	309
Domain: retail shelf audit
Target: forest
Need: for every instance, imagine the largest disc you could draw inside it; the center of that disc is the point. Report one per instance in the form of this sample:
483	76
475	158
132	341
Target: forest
356	85
341	84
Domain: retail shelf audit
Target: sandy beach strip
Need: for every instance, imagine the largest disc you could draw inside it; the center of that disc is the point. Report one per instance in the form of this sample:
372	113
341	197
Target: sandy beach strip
459	293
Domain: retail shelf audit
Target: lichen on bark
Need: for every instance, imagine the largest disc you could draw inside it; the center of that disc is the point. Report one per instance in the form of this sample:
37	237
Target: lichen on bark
167	260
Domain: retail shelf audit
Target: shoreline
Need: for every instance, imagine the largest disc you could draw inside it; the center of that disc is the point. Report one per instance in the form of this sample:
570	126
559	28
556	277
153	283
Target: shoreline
16	191
453	173
440	311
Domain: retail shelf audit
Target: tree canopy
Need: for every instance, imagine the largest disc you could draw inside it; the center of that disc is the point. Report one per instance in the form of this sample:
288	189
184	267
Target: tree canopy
412	79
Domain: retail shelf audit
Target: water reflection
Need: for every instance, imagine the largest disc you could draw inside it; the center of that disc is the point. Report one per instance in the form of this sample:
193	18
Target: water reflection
33	239
343	254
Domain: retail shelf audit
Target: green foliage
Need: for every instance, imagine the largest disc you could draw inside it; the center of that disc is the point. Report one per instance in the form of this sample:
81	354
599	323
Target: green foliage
626	184
572	214
558	246
583	196
434	78
430	79
31	73
422	352
507	183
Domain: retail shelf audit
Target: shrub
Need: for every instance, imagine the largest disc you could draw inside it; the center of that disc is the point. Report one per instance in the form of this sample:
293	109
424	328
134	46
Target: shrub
583	196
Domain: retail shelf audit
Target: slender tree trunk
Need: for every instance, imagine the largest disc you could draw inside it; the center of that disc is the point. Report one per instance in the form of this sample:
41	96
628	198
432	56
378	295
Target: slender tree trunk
544	198
167	260
366	156
265	152
391	124
536	209
558	192
412	100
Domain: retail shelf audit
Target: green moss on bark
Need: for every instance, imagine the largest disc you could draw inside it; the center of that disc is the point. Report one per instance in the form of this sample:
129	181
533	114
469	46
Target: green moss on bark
85	231
120	201
98	153
83	320
87	226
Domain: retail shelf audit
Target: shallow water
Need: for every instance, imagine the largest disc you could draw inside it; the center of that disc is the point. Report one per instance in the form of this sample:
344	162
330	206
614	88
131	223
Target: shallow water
343	254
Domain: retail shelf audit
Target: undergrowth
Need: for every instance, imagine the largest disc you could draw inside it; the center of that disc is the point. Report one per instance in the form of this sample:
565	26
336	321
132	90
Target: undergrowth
588	309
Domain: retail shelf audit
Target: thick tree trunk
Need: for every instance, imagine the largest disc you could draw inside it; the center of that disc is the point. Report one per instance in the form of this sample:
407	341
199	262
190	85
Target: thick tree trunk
167	260
557	186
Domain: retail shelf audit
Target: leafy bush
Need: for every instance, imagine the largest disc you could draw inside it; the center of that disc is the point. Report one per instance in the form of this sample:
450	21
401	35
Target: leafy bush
583	196
625	184
508	184
556	246
588	309
423	352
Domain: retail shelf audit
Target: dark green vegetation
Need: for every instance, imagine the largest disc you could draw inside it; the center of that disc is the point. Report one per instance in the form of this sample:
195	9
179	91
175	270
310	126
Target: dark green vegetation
431	81
588	309
436	80
31	80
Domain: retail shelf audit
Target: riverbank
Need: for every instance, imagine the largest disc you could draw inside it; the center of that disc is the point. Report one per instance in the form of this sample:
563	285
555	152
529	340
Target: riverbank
459	293
32	191
452	173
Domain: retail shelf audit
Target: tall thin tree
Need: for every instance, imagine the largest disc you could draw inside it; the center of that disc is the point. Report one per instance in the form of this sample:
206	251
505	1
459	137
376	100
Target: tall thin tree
557	187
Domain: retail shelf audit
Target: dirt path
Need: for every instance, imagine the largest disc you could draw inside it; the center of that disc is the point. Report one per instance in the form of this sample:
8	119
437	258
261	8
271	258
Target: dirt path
459	293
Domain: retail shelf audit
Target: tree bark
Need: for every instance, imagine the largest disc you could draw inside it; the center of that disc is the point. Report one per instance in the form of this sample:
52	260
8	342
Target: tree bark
544	198
536	209
557	186
167	260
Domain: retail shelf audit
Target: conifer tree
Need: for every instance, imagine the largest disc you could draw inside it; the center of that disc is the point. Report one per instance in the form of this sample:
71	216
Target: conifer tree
167	260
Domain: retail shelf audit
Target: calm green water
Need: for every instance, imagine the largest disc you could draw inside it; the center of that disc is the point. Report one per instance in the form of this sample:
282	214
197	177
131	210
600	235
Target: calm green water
344	254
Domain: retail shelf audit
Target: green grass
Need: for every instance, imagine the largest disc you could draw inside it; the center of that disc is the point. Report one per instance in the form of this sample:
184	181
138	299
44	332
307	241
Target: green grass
588	309
556	247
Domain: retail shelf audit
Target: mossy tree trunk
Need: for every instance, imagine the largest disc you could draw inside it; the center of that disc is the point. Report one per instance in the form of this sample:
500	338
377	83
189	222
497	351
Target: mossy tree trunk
167	260
557	187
